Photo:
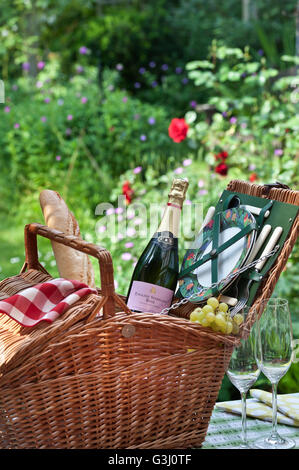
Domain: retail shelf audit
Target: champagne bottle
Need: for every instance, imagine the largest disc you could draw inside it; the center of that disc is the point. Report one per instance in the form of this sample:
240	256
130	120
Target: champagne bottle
155	275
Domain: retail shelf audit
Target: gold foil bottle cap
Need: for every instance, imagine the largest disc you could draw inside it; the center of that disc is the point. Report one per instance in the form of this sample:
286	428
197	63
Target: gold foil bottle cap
178	191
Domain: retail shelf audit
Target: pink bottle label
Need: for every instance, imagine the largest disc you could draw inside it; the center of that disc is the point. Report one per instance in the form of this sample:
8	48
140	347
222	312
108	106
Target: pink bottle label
145	297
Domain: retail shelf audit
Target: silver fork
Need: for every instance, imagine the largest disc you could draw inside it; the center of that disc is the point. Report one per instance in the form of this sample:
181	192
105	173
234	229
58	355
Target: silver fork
245	284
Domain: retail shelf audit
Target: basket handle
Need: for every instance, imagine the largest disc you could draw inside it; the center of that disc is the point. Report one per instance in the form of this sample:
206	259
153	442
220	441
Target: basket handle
104	257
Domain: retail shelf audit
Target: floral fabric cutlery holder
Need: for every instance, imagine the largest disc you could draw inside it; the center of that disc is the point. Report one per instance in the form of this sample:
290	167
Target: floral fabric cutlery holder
281	214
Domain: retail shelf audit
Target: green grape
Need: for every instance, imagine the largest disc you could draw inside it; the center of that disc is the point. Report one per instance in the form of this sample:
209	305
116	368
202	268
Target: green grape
223	328
214	326
197	315
204	322
207	308
238	319
223	307
220	320
235	329
213	302
229	327
210	317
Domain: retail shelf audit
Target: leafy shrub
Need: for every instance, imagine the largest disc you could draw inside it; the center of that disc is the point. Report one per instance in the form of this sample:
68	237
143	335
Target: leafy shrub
74	137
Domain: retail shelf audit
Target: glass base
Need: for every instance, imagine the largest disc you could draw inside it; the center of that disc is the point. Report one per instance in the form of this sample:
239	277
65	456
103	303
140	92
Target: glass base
244	446
274	442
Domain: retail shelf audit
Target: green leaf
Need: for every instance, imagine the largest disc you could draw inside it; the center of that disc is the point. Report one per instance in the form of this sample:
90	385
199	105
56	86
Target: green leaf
223	52
202	78
288	58
203	64
233	76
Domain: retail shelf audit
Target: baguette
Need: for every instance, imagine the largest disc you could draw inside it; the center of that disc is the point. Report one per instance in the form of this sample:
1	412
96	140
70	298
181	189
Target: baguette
71	264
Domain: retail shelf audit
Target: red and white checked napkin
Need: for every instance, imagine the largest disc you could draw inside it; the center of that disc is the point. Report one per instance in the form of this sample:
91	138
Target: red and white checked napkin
44	302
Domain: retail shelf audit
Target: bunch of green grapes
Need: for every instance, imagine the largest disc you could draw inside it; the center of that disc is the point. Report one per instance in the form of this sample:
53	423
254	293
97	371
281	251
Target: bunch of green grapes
216	315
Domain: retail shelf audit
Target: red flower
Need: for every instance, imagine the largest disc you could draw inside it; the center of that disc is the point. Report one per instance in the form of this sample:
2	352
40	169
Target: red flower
221	156
253	177
127	192
222	169
178	129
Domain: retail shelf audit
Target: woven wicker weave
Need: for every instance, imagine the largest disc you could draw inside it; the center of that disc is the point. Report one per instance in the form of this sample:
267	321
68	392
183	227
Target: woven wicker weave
101	376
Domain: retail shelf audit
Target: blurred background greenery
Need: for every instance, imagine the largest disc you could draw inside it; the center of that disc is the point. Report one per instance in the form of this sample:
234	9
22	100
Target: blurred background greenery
91	88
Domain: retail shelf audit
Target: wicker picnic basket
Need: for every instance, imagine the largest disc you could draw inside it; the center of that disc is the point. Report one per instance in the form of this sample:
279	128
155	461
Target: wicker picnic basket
101	376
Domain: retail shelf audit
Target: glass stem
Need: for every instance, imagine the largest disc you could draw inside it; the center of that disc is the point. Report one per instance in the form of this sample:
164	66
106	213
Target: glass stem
274	410
244	429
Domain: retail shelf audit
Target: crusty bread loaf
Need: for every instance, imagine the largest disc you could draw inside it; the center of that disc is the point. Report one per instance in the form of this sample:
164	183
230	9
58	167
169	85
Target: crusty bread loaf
71	264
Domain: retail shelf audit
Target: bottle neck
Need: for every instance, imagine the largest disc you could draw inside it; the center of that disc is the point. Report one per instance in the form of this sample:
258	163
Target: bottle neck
170	221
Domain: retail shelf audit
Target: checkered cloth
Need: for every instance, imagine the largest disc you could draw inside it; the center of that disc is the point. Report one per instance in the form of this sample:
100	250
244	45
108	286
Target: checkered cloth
44	302
225	430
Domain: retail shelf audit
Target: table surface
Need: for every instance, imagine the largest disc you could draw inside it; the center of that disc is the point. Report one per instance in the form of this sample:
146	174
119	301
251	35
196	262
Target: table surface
224	431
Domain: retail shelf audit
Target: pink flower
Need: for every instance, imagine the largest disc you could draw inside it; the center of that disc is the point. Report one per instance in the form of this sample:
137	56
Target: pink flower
58	158
69	117
26	66
131	232
137	221
119	210
79	69
47	100
130	214
125	99
188	202
201	183
83	50
110	211
126	256
43	118
187	162
83	99
7	109
137	170
39	84
40	65
178	171
102	228
233	120
17	125
203	192
129	245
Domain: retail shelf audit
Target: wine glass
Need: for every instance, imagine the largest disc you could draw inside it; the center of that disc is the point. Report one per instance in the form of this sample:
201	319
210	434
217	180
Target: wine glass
243	369
274	356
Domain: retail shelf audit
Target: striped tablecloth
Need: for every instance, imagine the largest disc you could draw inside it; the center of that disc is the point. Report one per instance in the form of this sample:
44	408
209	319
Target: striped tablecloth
224	431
